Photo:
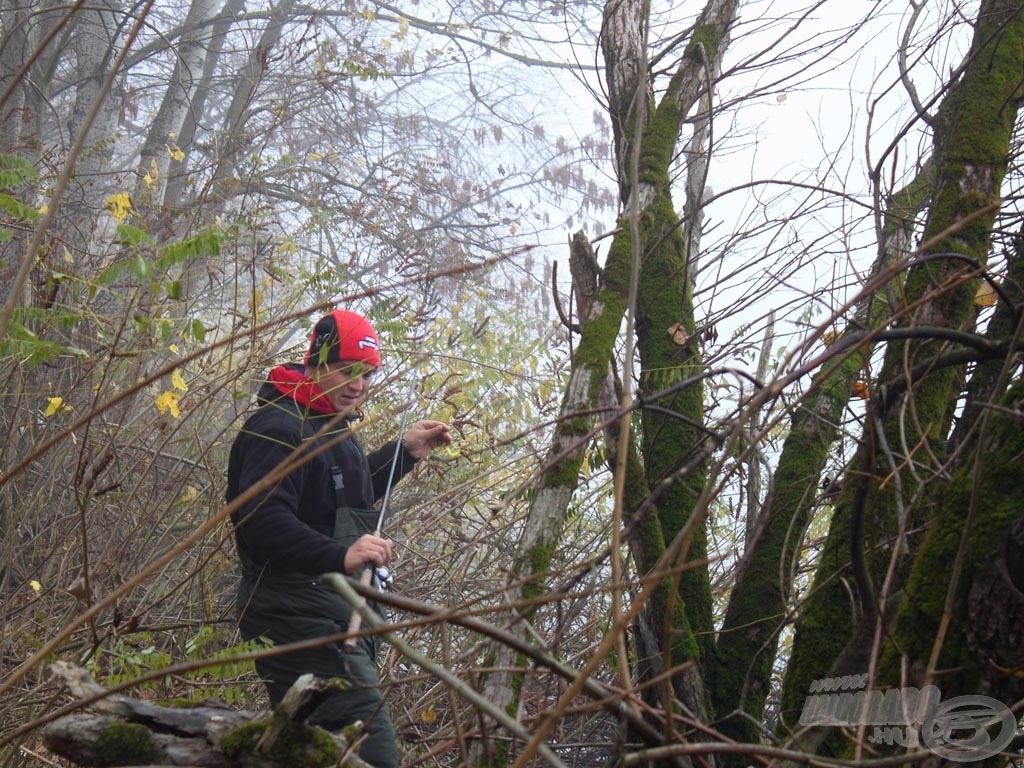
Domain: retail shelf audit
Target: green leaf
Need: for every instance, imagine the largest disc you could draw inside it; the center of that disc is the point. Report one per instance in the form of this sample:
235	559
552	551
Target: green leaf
22	344
198	331
203	244
140	266
15	171
174	290
111	273
17	209
128	235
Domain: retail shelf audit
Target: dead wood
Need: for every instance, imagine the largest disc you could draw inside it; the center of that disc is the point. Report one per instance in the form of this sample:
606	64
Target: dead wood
119	730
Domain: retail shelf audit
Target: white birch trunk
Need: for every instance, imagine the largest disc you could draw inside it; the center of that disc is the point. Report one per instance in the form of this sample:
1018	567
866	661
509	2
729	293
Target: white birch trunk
165	131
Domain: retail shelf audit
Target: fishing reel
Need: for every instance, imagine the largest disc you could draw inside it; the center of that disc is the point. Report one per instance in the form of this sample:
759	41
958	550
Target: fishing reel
383	577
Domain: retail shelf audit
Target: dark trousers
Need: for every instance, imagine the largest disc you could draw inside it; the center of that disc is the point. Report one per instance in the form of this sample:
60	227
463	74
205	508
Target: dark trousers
287	610
362	702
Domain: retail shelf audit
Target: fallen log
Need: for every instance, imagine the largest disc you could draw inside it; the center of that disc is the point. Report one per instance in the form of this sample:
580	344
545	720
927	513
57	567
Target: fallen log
122	731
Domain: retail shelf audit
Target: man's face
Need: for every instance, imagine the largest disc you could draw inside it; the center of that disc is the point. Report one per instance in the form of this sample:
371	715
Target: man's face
345	384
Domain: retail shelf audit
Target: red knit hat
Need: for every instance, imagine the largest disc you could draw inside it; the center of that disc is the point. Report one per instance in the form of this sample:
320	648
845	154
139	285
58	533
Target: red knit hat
343	335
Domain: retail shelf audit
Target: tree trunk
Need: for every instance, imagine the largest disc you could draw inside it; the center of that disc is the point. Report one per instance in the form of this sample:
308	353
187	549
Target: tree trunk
235	140
176	196
651	233
131	732
907	448
760	600
155	157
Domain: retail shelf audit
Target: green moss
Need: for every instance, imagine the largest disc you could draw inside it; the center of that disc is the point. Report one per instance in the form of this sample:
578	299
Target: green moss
659	146
617	270
707	35
986	496
242	739
299	747
747	643
562	474
126	744
973	130
539	559
179	703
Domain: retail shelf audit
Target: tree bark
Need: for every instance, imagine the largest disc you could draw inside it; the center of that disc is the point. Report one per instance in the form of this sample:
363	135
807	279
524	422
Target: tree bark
760	600
131	732
972	141
165	131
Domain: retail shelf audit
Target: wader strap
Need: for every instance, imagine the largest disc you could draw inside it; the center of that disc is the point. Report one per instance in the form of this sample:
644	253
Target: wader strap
340	500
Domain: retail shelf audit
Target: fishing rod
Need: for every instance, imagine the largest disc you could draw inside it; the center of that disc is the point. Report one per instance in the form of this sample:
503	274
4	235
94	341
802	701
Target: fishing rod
369	571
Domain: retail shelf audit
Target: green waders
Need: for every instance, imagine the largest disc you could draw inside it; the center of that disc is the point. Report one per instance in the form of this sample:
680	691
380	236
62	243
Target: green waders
287	608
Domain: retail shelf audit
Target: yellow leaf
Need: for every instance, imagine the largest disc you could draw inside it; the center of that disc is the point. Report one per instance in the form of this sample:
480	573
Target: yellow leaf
43	209
36	586
154	173
55	405
828	338
428	715
167	402
178	381
67	256
119	206
175	152
986	295
189	494
173	348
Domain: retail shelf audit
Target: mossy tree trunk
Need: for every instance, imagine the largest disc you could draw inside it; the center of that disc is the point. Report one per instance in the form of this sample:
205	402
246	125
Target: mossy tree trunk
902	462
648	243
960	625
759	603
672	441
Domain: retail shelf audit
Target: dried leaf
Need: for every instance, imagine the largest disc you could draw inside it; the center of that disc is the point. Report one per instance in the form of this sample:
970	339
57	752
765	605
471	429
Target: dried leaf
77	588
678	334
860	389
986	295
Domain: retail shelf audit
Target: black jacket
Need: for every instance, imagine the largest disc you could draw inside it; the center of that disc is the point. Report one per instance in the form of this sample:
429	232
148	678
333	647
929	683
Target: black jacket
288	528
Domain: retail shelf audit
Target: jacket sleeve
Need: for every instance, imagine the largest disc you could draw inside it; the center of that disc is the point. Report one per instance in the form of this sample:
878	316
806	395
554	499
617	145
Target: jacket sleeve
380	467
270	526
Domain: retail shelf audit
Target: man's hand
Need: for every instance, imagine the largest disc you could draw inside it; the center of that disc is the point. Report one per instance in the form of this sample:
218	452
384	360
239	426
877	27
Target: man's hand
424	436
368	548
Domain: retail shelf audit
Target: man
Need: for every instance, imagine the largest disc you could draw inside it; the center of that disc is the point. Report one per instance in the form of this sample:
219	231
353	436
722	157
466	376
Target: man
319	518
